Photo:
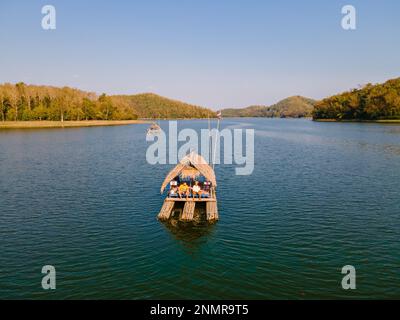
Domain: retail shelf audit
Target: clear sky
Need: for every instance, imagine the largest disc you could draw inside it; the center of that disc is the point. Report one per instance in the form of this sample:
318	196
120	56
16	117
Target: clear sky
215	53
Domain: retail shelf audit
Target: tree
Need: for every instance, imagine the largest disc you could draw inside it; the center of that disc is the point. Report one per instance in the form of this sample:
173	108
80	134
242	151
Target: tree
12	98
2	103
106	106
88	107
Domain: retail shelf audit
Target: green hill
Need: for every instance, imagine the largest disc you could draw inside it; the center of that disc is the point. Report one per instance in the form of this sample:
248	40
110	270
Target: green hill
371	102
30	102
149	105
292	107
252	111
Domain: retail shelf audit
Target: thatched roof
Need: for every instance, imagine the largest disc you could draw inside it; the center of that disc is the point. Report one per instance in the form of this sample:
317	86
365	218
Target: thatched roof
192	165
154	126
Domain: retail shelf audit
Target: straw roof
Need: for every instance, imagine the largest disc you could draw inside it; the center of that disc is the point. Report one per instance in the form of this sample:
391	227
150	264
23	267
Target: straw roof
191	165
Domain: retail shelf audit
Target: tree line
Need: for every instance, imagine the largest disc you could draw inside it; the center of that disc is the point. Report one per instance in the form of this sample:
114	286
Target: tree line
22	102
371	102
29	102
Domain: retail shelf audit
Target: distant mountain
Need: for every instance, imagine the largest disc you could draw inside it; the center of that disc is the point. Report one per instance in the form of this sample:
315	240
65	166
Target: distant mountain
252	111
292	107
150	105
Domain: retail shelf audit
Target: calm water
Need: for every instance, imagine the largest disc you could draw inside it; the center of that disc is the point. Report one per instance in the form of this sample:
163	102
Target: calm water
323	195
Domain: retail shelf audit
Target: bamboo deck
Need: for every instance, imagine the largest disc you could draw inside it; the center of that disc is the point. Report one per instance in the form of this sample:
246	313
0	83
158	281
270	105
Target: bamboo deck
187	214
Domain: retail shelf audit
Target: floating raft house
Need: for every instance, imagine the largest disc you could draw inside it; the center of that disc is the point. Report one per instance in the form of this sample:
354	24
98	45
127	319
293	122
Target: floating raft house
191	206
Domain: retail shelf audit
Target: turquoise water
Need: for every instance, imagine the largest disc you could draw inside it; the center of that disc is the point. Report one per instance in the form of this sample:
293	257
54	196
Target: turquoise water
322	195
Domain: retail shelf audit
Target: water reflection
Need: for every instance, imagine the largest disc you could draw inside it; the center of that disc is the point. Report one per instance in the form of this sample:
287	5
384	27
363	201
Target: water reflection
190	235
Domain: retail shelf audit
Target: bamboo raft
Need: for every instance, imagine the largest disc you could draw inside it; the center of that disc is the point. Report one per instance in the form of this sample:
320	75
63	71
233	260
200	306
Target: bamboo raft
188	209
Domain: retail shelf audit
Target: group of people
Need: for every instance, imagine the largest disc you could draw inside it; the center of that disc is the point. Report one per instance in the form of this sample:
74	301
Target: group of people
186	191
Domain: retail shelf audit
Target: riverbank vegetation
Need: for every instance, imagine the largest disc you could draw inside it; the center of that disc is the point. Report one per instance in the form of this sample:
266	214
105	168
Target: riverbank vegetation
368	103
21	102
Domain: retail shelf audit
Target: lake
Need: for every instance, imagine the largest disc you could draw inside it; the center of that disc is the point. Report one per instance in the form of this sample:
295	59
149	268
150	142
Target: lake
322	196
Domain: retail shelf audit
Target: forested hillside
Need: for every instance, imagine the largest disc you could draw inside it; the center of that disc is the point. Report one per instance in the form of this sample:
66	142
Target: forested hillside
30	102
252	111
149	105
371	102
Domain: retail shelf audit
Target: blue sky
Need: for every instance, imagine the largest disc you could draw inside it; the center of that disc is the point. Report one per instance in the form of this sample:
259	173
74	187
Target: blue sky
225	53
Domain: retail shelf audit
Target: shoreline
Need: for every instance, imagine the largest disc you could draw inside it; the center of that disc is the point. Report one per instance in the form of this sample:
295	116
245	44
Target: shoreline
66	124
359	120
45	124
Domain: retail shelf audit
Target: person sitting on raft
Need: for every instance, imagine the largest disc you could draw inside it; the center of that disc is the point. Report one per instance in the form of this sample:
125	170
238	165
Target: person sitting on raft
197	190
173	192
183	190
